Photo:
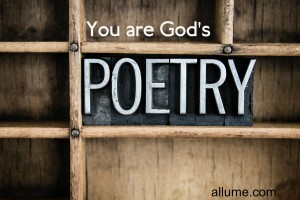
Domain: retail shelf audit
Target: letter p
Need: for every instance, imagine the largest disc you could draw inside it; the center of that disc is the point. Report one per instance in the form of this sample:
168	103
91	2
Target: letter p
88	86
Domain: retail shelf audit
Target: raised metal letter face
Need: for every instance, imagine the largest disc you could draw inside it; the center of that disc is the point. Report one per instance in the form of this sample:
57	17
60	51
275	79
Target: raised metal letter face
214	86
87	83
183	64
241	86
138	86
150	85
194	91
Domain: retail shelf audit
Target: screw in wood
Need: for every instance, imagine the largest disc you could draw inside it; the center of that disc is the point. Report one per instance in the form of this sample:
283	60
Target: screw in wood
74	47
75	133
227	49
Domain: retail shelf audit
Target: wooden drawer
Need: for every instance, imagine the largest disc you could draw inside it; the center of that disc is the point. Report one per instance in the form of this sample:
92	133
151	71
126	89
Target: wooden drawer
41	49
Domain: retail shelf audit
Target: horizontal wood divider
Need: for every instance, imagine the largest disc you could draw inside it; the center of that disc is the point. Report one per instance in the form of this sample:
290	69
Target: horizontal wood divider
259	130
253	49
34	47
266	49
152	48
34	130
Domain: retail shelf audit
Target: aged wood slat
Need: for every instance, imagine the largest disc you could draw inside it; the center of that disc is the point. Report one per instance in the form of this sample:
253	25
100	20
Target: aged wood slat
33	132
152	48
75	64
35	124
259	130
77	150
34	47
265	49
224	24
247	49
36	199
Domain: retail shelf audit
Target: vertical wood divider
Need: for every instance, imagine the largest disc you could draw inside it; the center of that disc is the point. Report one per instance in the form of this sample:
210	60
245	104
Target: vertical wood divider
224	23
77	146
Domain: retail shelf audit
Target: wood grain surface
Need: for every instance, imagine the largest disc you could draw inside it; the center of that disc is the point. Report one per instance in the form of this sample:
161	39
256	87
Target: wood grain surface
34	130
34	168
77	148
276	89
34	87
190	168
224	15
38	20
34	47
267	21
190	48
259	130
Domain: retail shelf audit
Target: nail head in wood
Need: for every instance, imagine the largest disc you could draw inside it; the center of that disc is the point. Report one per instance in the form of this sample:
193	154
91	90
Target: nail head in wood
75	133
74	47
227	49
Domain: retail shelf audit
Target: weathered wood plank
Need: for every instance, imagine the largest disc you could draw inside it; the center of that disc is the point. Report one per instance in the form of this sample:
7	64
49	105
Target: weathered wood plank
34	47
259	130
224	21
77	149
264	49
34	130
75	63
242	49
152	48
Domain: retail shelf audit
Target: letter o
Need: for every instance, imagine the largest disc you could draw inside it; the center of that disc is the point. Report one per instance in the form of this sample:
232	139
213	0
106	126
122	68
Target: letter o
180	28
138	86
104	34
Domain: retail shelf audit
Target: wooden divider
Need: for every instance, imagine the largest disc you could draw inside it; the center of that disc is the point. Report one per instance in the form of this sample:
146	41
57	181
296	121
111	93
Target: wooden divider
259	130
246	49
77	150
224	25
34	47
242	49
